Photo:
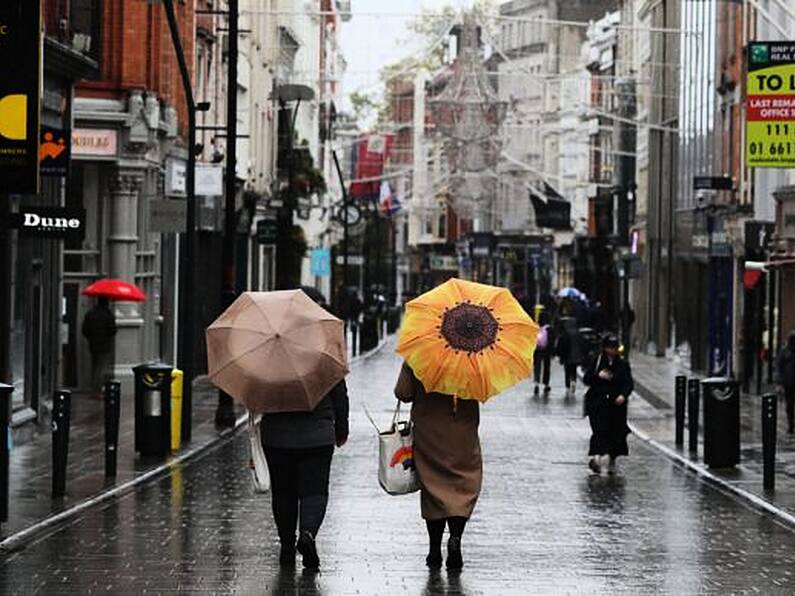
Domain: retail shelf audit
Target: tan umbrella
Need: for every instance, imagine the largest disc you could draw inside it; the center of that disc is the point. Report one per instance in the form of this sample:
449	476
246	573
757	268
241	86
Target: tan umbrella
276	351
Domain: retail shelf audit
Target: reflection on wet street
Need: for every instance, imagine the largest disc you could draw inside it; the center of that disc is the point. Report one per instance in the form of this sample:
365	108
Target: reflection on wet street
543	524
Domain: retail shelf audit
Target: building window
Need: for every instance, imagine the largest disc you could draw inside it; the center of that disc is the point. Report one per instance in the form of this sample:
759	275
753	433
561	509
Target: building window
84	27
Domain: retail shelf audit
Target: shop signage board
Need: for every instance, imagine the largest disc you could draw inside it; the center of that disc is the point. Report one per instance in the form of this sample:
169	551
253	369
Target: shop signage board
168	215
770	126
55	152
20	54
52	222
94	143
321	262
353	260
209	180
176	177
267	231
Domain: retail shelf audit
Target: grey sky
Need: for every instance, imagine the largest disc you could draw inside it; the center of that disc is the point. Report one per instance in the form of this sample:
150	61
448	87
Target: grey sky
369	41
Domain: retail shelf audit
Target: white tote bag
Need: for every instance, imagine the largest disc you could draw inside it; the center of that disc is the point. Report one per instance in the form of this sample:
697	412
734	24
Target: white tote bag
258	465
396	472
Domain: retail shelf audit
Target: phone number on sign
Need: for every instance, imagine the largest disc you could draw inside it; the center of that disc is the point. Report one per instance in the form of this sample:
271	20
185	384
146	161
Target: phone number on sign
779	149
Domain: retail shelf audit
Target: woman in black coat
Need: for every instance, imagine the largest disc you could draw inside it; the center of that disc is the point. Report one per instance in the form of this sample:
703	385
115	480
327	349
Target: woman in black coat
610	383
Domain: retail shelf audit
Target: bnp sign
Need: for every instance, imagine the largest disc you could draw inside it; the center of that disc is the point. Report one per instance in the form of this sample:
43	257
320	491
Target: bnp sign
20	55
770	127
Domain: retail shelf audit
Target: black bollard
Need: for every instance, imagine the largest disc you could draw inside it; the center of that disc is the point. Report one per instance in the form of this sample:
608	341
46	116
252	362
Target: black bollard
693	395
681	398
5	421
769	428
61	414
112	411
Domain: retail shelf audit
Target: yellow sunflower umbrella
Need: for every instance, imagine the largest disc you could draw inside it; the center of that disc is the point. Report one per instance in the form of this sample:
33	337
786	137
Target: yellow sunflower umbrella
468	340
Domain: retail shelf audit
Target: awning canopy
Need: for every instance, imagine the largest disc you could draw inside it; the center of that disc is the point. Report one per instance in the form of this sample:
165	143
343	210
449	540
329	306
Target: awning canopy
552	210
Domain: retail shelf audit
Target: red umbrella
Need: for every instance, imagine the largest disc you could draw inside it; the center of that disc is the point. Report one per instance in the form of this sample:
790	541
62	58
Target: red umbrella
115	289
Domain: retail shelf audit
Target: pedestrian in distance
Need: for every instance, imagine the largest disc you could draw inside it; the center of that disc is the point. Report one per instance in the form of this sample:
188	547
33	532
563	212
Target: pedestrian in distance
785	376
448	461
609	381
99	328
570	350
542	357
299	447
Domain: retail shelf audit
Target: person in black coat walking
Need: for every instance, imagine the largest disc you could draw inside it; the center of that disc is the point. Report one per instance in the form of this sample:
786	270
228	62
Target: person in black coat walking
785	376
299	447
99	328
609	381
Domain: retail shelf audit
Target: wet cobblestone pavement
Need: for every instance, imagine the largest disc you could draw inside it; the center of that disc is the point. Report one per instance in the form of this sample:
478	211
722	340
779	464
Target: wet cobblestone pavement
543	524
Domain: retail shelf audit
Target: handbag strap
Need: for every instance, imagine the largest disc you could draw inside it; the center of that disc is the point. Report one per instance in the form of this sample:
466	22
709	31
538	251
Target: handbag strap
397	414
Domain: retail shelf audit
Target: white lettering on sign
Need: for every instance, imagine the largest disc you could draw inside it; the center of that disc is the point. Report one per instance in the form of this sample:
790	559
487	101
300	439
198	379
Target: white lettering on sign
34	220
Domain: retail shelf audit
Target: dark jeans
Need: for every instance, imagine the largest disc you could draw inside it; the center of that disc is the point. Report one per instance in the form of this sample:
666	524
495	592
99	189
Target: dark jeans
456	526
570	370
299	483
541	364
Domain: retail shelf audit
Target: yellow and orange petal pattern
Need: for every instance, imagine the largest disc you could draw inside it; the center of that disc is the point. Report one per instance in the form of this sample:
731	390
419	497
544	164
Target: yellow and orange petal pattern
468	340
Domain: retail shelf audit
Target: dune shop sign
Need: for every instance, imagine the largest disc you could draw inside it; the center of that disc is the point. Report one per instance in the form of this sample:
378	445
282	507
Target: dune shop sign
53	222
20	55
770	127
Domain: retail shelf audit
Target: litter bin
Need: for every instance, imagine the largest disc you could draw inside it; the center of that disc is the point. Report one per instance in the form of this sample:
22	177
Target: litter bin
153	408
721	398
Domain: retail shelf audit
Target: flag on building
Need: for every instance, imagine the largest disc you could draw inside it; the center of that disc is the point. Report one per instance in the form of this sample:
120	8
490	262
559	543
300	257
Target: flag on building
388	202
370	155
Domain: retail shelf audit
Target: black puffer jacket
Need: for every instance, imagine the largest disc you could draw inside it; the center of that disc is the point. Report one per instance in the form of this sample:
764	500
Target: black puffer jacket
785	364
323	426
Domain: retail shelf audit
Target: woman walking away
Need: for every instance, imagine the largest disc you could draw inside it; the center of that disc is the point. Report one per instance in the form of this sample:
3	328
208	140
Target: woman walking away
542	356
570	351
448	462
785	371
610	383
299	447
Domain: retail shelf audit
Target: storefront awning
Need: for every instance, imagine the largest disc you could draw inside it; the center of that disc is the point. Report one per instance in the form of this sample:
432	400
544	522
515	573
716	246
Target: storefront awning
552	210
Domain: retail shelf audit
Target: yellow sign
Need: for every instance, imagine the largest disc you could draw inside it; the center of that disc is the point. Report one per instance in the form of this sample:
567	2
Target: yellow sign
770	114
14	117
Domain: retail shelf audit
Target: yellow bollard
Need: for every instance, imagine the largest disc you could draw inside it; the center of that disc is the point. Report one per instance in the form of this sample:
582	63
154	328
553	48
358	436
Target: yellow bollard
176	408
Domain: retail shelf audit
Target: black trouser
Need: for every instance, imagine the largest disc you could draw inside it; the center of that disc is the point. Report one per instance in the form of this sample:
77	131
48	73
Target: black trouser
541	364
456	526
570	370
299	481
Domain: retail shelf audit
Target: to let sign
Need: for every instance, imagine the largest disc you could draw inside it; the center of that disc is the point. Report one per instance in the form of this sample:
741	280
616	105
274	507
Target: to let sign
770	126
20	55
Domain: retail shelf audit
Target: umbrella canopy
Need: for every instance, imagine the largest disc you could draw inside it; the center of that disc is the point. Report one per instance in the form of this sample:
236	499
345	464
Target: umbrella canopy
571	293
276	351
116	289
468	340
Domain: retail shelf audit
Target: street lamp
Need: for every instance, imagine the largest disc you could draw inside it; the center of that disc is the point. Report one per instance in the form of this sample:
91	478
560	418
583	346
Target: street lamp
186	309
284	94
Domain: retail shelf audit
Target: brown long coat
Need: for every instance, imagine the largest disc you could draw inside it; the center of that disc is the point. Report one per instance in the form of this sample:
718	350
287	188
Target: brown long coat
446	449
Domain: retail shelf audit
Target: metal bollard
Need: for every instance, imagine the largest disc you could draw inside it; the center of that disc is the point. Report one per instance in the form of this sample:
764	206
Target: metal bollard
112	413
5	421
61	414
681	398
769	428
693	396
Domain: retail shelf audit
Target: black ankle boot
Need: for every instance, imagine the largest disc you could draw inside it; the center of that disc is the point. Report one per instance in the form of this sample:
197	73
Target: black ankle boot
308	549
287	556
434	559
455	559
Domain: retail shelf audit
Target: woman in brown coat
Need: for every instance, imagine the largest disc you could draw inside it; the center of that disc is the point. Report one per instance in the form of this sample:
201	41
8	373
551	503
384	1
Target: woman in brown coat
448	461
